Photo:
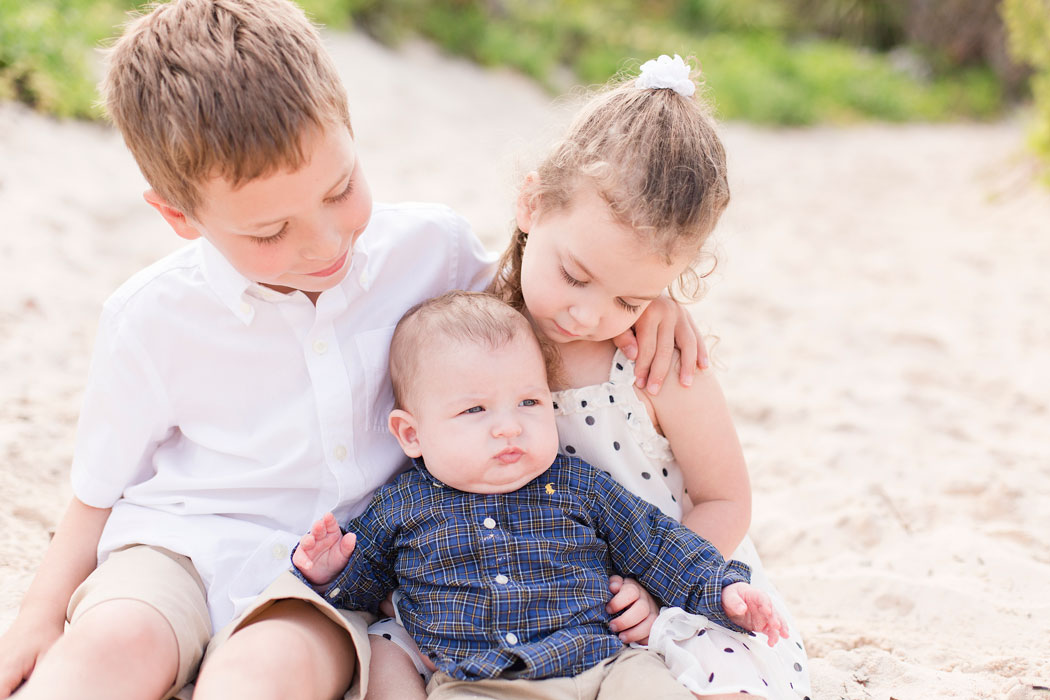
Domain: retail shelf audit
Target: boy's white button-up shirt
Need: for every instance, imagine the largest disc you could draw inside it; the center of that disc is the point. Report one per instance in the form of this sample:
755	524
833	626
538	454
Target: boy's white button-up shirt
221	417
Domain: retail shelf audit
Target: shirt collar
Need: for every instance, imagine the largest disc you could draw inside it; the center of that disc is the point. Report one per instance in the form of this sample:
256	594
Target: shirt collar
421	467
234	289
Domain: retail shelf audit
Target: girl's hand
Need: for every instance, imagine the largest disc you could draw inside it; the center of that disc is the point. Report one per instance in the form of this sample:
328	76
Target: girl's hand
750	608
324	551
637	610
663	326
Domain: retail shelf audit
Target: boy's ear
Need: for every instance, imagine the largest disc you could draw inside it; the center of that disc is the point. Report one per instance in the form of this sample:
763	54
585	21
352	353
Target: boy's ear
525	211
175	218
403	426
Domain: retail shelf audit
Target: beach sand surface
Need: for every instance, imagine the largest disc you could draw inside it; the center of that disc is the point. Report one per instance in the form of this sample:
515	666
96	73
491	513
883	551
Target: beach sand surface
882	309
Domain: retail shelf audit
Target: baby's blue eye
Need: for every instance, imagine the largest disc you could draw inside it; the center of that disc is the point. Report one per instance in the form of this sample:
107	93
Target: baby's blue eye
474	409
529	402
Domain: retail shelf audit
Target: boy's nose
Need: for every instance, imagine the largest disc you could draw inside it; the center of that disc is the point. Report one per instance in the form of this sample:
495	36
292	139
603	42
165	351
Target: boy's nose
325	243
506	428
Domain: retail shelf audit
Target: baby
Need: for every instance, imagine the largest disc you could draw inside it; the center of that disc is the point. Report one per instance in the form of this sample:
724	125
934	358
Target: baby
501	548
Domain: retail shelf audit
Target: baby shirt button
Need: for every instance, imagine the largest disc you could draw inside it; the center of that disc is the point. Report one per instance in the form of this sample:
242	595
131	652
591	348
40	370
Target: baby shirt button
511	638
489	523
339	453
500	578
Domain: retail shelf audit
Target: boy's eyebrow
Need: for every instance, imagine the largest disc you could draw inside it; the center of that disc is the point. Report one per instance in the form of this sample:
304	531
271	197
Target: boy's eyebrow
264	224
577	263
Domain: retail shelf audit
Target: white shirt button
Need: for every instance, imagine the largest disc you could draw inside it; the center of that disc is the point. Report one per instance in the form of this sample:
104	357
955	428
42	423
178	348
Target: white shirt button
364	279
246	308
320	347
279	551
511	638
500	578
333	593
339	452
489	523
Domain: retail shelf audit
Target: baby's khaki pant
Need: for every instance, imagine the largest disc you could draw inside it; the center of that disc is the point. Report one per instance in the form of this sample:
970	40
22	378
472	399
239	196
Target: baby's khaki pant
632	674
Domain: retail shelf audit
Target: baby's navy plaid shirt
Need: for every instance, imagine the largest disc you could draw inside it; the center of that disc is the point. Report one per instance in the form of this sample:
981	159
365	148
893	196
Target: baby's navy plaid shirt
515	584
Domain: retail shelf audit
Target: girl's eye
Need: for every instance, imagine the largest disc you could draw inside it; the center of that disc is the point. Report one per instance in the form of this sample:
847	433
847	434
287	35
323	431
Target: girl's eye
572	281
630	308
344	195
474	409
270	240
529	402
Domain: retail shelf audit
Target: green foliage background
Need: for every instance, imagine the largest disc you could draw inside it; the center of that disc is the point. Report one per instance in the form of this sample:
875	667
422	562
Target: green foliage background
1028	22
790	62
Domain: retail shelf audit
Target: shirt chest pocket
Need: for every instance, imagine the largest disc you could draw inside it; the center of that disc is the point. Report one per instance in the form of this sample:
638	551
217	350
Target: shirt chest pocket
373	351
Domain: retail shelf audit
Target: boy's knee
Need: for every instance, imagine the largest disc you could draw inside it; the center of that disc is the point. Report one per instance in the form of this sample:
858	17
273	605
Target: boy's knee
125	632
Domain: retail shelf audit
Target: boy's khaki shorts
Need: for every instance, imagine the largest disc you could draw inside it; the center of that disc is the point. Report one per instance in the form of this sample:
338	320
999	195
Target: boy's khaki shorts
169	583
632	674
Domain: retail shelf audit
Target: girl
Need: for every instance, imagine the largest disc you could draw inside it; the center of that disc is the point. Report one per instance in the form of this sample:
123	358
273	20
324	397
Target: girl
616	213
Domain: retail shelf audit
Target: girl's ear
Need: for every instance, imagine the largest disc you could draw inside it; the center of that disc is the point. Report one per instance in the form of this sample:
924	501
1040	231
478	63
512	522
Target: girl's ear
403	426
525	212
175	217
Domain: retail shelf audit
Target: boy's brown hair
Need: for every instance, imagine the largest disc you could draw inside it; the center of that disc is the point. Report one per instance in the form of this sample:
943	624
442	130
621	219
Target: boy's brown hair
470	317
219	88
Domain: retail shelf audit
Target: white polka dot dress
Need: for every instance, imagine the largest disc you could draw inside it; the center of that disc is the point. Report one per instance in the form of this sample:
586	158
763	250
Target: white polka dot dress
607	425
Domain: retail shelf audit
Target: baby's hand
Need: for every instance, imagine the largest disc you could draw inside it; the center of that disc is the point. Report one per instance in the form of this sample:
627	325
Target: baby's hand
637	610
324	551
750	608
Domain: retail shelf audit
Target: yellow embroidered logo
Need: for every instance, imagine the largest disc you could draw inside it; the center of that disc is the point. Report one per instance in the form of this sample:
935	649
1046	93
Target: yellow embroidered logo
549	489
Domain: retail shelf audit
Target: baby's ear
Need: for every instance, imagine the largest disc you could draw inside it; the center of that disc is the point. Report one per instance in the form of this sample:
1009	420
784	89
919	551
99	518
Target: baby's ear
175	217
403	426
528	202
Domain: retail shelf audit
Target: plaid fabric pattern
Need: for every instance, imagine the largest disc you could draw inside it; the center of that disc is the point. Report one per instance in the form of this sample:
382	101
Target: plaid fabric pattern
515	584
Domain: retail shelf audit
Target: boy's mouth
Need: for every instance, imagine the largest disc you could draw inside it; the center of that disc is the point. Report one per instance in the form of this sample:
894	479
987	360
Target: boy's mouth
510	455
331	270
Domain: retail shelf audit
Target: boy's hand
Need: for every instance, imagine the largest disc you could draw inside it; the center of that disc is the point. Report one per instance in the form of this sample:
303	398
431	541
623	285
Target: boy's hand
750	608
663	326
637	610
21	647
324	551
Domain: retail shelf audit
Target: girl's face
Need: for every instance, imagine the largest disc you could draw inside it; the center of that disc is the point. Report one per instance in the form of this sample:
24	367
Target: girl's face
585	276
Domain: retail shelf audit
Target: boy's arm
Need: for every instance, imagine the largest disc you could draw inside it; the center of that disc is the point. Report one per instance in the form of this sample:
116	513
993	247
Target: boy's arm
663	326
70	557
675	564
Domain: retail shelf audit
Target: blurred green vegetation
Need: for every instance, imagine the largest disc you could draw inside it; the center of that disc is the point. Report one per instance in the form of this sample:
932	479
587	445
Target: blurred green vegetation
790	62
1029	26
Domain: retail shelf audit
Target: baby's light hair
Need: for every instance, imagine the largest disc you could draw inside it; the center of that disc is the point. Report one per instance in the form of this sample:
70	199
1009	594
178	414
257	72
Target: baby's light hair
468	317
653	155
219	88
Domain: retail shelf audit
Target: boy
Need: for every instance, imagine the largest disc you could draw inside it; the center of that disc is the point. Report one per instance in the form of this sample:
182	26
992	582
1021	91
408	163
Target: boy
501	548
238	386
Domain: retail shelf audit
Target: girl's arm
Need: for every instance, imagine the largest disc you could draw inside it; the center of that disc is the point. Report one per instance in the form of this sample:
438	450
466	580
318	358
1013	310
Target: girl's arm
696	422
71	556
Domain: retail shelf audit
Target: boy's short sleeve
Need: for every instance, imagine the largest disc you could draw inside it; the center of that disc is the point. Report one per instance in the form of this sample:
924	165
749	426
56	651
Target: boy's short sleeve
124	415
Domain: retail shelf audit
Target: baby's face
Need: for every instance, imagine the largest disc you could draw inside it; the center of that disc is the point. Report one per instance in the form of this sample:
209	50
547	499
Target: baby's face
484	417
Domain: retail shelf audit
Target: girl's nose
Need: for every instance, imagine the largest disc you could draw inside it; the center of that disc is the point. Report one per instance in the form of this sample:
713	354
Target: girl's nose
584	315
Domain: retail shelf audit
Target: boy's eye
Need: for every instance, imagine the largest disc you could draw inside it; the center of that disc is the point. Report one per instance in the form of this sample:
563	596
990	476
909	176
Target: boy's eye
270	240
344	195
474	409
530	402
572	281
631	308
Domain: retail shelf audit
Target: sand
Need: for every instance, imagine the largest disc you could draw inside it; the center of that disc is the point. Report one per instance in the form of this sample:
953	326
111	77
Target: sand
882	304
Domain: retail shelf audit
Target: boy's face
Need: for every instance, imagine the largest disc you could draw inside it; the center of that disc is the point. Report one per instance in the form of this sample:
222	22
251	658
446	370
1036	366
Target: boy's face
482	418
288	230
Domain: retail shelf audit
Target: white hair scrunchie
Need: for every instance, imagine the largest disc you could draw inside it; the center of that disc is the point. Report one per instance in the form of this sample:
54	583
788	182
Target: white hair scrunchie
667	72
